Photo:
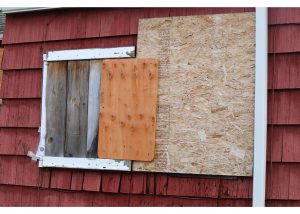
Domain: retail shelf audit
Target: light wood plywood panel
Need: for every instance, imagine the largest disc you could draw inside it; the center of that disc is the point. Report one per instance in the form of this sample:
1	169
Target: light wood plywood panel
128	109
205	119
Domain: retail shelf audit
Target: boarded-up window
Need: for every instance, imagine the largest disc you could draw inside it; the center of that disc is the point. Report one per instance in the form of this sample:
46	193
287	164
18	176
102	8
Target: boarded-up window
72	103
128	108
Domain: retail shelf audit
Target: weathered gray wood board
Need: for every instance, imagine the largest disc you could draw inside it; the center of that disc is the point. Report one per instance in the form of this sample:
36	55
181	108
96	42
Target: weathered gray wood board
77	108
56	95
93	107
205	118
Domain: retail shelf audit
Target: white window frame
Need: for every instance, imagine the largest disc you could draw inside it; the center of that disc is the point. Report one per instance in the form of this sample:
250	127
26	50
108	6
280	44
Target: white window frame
70	162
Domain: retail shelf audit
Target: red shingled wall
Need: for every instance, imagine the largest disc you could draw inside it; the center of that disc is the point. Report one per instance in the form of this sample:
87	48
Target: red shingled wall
22	183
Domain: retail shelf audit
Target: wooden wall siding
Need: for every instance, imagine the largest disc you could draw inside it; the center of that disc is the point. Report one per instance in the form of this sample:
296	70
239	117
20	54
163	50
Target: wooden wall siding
29	55
27	84
18	141
1	71
283	154
279	16
27	196
284	71
284	38
89	23
20	113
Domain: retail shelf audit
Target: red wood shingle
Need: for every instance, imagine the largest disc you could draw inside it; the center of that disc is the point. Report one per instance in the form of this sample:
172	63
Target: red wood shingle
161	184
21	170
29	56
274	143
20	113
235	188
294	184
193	186
110	182
284	71
291	144
284	38
89	22
18	141
283	15
282	203
283	107
277	185
61	178
77	180
8	169
92	181
234	203
21	84
75	199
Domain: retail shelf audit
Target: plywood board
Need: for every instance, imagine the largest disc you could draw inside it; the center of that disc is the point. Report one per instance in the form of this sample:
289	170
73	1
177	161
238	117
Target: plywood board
128	109
56	95
77	108
205	120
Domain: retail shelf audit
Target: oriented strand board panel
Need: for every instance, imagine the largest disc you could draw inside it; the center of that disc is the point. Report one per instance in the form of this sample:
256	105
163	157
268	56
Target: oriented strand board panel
127	119
205	121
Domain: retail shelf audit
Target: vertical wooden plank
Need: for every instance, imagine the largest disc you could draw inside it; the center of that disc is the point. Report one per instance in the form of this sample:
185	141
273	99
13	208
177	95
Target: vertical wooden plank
77	108
56	94
93	108
128	109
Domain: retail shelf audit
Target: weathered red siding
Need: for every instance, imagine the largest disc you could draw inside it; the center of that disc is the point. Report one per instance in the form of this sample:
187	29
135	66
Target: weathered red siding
28	35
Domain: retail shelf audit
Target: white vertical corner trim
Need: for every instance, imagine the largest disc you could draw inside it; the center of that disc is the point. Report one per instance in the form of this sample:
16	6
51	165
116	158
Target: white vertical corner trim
260	129
41	148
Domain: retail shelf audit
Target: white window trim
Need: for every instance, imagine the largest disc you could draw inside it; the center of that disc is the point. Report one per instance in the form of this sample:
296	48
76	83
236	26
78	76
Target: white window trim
69	162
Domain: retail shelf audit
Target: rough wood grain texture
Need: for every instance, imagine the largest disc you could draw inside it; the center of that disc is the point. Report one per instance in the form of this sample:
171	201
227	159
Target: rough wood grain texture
1	71
206	92
77	108
128	109
56	95
93	108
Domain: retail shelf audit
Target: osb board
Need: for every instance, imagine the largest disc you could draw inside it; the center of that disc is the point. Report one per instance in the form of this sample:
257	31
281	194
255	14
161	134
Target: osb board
205	115
127	121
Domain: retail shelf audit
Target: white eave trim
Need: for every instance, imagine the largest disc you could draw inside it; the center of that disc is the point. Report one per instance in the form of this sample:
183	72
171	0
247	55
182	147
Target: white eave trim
8	10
